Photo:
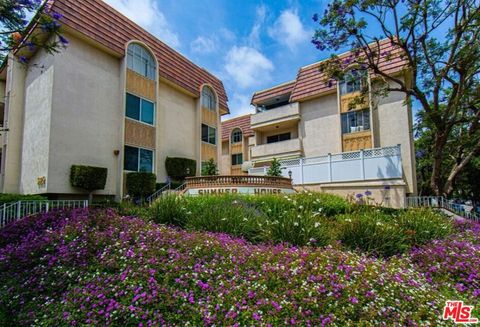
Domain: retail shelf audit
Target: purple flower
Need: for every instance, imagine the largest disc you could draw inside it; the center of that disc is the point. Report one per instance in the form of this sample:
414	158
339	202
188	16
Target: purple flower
353	300
359	196
368	193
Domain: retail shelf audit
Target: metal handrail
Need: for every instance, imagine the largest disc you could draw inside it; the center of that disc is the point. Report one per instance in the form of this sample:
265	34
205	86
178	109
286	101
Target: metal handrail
158	193
440	202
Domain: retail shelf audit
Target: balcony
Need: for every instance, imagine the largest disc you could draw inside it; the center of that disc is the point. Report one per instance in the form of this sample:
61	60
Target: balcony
280	115
269	151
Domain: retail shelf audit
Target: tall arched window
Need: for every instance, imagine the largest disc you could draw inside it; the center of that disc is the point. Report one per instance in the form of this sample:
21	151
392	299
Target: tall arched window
141	61
237	135
208	99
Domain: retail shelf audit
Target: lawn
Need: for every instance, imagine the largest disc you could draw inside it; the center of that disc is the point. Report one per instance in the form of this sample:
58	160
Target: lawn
99	267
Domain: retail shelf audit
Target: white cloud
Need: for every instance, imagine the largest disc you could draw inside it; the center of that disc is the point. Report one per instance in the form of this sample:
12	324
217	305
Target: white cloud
203	44
240	104
227	34
289	30
254	36
146	14
247	66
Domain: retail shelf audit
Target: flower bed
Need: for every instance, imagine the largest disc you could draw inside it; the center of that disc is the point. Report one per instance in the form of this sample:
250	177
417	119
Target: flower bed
98	268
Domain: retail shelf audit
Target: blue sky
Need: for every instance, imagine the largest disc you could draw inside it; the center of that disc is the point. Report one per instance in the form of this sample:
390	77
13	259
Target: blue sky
248	44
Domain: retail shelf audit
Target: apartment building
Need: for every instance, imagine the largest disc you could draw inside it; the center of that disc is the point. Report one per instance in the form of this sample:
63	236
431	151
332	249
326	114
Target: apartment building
308	120
116	97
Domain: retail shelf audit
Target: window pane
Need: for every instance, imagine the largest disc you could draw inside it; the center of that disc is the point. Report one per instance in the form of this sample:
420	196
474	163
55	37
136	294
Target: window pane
272	139
133	107
146	160
148	112
141	61
345	124
237	159
211	135
366	119
130	158
284	137
204	133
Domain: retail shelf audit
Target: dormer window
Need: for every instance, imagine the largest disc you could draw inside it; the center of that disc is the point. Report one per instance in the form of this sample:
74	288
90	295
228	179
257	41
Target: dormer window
237	135
208	99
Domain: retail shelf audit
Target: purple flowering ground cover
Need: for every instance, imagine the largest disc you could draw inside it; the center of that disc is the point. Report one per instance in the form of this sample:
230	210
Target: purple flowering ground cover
95	267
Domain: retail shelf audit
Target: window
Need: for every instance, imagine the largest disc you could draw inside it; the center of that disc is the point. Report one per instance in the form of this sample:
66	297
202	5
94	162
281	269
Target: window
208	99
237	135
137	159
278	138
356	121
237	159
141	61
140	109
209	134
353	82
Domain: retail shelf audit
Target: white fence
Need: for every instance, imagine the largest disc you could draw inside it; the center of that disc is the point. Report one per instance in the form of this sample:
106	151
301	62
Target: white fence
10	212
441	202
371	164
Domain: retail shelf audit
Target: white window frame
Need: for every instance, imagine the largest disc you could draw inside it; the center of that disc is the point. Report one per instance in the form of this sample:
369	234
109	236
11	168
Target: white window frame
138	54
140	110
207	92
216	137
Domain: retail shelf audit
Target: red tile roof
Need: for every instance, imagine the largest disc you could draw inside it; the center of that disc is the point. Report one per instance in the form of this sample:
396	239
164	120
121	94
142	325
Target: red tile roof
311	82
242	122
100	22
275	91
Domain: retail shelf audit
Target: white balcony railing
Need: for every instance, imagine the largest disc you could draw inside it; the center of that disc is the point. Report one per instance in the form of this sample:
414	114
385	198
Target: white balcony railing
289	112
370	164
278	149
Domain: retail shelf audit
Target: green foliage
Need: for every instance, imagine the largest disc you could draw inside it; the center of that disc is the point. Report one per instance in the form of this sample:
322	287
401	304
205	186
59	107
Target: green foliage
209	168
275	169
8	197
14	27
169	209
179	168
141	183
88	178
387	233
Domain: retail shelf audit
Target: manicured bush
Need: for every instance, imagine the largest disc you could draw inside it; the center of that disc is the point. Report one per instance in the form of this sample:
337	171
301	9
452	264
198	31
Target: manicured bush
88	178
8	197
96	268
179	168
141	184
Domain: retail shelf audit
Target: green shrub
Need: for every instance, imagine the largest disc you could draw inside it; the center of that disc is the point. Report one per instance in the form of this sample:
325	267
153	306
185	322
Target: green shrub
209	168
179	168
423	225
141	184
169	209
372	232
8	197
275	169
227	214
88	178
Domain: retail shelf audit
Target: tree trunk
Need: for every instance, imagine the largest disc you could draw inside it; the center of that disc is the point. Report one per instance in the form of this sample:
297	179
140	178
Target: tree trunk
90	198
457	169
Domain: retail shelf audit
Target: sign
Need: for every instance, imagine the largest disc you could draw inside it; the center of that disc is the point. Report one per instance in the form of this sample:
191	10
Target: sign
238	190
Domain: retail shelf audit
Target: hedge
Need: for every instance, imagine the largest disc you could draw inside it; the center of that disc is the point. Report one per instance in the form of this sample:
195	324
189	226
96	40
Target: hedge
177	168
88	178
9	197
141	184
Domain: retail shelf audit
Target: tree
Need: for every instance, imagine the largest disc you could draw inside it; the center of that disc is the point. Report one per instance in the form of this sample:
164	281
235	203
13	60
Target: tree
209	168
16	33
275	169
88	178
442	74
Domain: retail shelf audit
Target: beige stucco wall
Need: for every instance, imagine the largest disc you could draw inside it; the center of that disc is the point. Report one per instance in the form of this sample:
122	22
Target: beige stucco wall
36	132
87	115
320	126
393	125
389	193
178	130
14	104
225	158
